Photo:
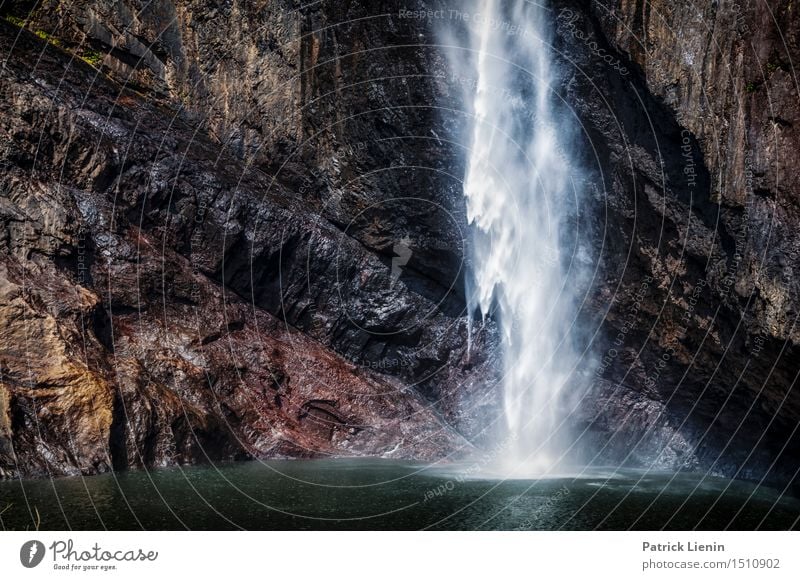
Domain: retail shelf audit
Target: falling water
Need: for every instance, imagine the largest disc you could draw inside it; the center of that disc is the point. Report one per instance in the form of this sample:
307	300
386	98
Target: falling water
517	186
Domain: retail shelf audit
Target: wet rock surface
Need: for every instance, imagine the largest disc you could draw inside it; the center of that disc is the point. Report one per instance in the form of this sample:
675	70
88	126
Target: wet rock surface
166	300
699	208
236	230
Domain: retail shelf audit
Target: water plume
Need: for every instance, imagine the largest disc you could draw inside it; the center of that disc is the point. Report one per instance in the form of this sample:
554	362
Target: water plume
518	184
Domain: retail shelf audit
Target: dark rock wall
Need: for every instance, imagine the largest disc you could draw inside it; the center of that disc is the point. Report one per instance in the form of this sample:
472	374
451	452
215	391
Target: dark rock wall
172	296
691	111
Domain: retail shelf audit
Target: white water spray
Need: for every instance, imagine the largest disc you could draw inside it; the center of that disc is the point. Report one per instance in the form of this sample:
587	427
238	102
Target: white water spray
517	187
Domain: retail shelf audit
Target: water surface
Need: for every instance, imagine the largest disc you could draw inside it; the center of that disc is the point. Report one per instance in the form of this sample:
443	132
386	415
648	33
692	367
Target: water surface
380	494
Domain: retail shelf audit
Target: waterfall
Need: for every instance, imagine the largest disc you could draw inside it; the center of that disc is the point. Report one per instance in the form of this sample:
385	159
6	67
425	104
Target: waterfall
518	184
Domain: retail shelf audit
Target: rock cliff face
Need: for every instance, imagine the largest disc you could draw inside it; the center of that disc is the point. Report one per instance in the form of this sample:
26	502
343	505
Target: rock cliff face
236	230
692	110
197	264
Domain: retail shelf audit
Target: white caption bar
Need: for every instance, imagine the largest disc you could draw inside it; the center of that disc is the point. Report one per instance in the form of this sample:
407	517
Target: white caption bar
353	555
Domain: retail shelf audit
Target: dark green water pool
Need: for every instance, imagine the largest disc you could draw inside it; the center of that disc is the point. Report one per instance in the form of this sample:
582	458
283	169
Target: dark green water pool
375	494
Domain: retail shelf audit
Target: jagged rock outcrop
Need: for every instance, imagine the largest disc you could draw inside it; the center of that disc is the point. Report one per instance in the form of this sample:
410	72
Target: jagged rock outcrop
133	244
